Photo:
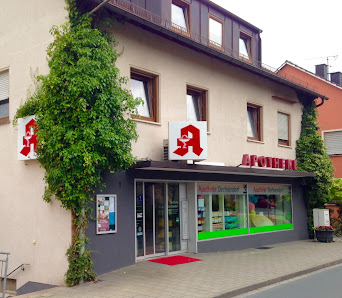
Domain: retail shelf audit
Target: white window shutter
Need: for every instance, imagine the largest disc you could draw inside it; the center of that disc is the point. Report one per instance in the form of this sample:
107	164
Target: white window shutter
283	126
333	142
4	86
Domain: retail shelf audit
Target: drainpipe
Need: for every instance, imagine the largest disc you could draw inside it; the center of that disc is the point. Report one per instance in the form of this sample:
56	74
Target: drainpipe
82	236
322	102
98	7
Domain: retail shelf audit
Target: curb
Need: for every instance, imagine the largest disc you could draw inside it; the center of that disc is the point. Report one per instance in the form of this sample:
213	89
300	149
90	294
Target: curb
276	280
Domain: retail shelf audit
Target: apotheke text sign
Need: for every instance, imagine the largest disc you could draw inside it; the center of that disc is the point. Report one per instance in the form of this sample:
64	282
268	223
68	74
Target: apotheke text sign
269	162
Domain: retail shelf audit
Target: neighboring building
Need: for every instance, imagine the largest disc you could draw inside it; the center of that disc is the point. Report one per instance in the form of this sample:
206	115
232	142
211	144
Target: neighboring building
188	61
329	114
34	232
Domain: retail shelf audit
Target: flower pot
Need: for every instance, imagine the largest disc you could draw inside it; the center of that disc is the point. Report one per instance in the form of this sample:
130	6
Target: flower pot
324	236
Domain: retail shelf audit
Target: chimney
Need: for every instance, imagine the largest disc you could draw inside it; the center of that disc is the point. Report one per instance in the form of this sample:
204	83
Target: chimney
336	77
322	71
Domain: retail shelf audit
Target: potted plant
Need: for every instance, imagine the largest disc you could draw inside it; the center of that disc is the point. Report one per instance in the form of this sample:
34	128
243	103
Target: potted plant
324	233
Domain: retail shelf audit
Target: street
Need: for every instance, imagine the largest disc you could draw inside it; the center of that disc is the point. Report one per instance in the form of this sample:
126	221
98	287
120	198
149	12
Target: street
324	283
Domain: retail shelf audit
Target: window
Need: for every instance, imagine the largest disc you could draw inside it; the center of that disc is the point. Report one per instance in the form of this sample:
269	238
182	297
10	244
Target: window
144	86
253	122
4	96
283	129
225	209
221	209
180	16
196	104
270	207
215	32
333	142
245	46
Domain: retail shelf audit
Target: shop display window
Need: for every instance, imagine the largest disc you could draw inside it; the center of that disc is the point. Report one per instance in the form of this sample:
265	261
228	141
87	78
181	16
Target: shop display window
270	207
220	213
226	209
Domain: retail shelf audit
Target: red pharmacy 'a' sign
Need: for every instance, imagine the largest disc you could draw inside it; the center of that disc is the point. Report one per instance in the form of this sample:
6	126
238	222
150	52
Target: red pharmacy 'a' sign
188	140
27	138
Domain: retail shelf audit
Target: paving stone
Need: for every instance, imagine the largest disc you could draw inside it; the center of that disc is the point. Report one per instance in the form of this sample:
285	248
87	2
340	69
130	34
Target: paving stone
216	274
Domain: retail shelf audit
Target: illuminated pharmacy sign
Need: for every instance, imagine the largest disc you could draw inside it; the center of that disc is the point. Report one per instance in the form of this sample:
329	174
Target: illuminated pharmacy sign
269	162
27	138
188	140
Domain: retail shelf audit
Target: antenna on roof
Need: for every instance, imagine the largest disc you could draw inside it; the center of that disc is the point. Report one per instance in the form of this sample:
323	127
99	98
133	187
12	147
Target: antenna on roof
326	57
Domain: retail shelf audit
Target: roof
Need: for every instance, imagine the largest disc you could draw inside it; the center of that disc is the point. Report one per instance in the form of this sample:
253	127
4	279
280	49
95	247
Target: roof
198	168
157	24
233	16
309	73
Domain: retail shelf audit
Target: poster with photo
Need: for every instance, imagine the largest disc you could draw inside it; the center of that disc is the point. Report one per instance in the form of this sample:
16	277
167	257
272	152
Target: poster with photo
106	214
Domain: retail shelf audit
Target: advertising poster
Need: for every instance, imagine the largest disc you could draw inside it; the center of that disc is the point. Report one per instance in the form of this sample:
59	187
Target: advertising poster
106	214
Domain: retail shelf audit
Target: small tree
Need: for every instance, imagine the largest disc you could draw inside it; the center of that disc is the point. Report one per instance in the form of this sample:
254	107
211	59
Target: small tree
335	196
335	193
312	157
83	129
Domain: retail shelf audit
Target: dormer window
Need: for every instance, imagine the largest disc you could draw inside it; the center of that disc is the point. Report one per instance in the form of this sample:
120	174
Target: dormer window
180	16
245	46
215	32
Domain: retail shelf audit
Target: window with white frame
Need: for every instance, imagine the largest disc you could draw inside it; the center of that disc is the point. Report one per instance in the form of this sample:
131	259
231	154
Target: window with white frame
333	142
4	96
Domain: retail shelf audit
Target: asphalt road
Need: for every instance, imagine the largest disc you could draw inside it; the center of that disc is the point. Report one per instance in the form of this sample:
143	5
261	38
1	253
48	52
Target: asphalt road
325	283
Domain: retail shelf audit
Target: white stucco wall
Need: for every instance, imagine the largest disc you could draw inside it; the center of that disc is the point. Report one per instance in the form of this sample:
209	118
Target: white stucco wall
230	89
24	216
24	37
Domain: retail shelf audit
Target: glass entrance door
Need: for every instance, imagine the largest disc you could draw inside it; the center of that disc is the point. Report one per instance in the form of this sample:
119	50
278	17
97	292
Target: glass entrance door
157	218
174	217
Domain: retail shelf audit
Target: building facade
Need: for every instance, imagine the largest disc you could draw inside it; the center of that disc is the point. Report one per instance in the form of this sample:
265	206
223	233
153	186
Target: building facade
190	62
34	232
191	74
329	119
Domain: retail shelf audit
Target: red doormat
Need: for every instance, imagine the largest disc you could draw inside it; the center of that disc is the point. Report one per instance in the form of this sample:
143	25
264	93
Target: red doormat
175	260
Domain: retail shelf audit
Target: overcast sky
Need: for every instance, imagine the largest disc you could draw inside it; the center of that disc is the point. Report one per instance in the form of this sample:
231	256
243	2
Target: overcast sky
300	31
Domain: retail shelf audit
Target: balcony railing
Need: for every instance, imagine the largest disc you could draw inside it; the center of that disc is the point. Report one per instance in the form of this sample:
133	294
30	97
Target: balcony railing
167	24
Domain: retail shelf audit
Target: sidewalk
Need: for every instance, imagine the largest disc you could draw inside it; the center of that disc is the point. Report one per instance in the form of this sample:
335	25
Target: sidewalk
224	273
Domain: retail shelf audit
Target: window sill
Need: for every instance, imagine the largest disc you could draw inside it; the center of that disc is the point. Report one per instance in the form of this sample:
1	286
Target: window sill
180	31
245	59
285	146
216	47
4	121
146	121
255	141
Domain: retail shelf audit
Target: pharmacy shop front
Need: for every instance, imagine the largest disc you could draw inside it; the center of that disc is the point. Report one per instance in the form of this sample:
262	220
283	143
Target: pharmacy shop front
167	208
